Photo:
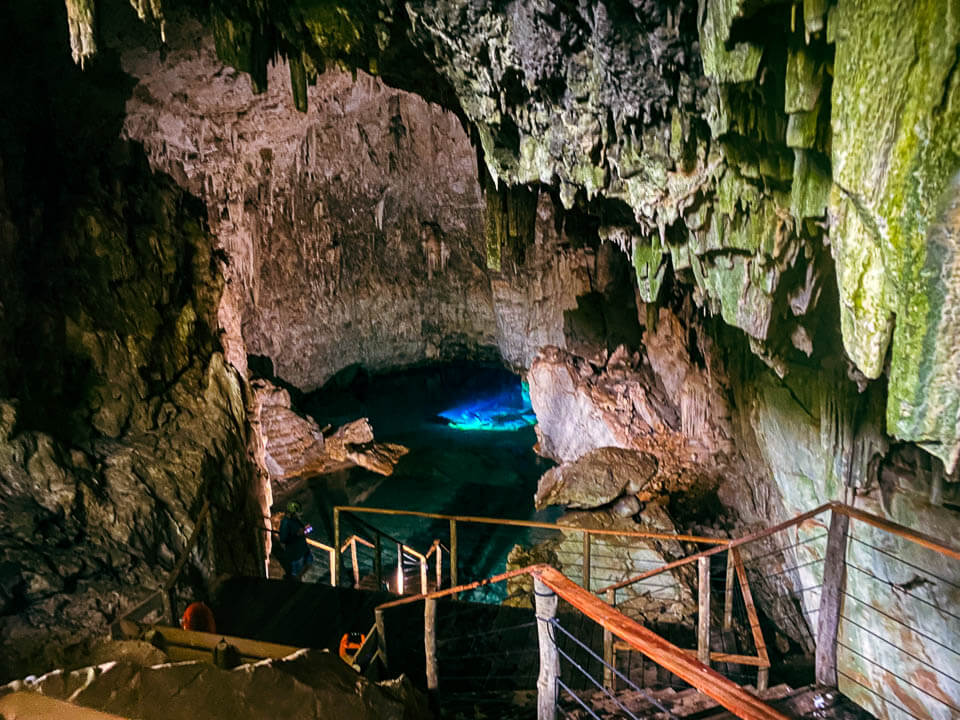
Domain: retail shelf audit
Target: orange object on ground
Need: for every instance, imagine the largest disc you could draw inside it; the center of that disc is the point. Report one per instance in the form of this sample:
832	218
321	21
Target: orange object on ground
349	644
198	617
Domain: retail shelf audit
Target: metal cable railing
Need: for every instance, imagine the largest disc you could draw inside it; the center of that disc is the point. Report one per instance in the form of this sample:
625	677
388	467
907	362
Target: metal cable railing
575	640
875	600
597	682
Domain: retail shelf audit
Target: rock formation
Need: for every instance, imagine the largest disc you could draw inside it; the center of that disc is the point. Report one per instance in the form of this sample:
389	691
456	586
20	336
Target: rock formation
118	416
355	232
598	478
782	178
294	445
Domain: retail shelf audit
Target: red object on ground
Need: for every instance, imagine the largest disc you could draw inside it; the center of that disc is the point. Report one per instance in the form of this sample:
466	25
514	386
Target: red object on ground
198	617
349	645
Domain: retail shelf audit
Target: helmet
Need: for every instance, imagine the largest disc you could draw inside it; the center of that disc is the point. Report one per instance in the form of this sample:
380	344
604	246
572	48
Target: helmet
294	507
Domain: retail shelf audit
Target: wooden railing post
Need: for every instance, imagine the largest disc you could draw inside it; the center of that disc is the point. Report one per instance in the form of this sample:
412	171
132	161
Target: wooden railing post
335	565
831	599
378	560
545	602
454	581
439	564
609	679
703	611
430	642
400	578
586	560
728	593
353	561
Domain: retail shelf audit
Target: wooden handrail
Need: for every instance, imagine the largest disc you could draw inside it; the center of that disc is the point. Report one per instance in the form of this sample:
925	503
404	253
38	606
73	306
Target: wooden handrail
899	530
318	544
534	524
664	653
708	681
330	552
422	559
355	538
882	523
716	550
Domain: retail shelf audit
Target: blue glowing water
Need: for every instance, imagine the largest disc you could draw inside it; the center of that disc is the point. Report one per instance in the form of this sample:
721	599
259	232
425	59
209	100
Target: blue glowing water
503	409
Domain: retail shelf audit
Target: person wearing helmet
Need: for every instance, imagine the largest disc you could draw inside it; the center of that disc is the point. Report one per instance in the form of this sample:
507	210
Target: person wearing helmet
293	537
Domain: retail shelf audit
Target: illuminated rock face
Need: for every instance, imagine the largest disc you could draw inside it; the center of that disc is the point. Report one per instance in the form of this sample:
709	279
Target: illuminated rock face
356	232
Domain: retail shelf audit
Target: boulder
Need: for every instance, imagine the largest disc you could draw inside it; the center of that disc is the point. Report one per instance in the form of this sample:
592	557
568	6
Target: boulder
597	478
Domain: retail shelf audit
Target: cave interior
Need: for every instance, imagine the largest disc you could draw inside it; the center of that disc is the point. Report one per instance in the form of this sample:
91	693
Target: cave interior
619	265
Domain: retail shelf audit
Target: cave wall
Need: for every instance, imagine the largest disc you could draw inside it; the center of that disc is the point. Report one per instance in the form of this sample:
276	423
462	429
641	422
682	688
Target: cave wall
356	232
792	169
118	413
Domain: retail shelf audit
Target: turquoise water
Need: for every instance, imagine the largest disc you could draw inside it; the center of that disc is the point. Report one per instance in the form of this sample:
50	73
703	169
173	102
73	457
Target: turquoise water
501	409
456	465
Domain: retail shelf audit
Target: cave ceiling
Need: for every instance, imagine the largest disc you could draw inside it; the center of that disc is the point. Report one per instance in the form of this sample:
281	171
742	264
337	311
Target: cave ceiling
794	164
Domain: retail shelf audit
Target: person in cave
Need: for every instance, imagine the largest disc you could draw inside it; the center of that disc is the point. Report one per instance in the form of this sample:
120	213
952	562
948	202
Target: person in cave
293	537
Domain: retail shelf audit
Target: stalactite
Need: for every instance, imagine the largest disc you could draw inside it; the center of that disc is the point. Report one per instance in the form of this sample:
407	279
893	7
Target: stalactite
850	433
80	16
298	82
152	11
511	214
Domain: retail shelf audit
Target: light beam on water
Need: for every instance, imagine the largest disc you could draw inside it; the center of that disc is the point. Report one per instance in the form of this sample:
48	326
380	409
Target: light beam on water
505	409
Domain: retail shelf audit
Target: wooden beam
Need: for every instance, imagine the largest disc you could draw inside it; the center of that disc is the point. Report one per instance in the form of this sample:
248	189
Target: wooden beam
586	560
188	548
335	565
430	642
725	692
717	657
169	598
400	578
903	531
831	599
728	593
453	554
536	524
368	649
763	673
353	561
703	610
545	603
460	588
728	544
609	677
207	641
